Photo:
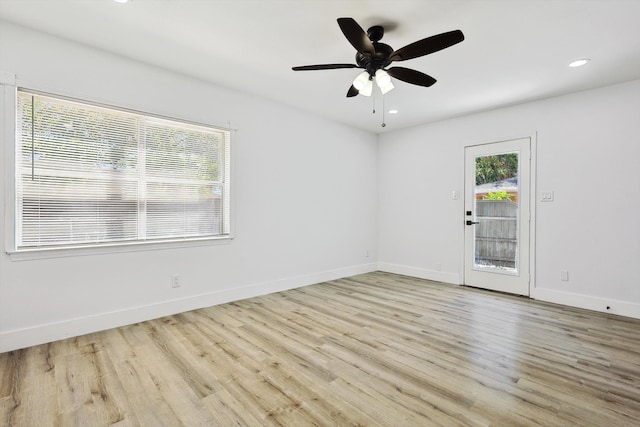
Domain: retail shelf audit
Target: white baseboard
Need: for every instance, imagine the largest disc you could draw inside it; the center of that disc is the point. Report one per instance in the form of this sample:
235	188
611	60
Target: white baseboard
27	337
621	308
421	273
16	339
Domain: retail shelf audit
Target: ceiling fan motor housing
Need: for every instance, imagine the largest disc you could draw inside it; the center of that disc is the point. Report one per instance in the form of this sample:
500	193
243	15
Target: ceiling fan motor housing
378	60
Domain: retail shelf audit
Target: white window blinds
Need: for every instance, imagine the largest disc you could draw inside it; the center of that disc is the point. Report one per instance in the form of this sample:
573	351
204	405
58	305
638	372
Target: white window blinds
88	175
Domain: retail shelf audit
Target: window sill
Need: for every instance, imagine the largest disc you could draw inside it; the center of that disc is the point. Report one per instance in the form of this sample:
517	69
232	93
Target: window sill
75	251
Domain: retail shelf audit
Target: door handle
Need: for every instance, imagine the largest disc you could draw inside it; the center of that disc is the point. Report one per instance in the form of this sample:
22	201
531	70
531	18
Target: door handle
469	222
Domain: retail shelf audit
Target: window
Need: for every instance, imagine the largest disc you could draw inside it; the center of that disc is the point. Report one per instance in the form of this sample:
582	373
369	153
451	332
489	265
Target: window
93	176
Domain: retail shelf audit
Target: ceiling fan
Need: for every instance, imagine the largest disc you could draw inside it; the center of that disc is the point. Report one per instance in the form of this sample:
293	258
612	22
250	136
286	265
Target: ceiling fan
374	56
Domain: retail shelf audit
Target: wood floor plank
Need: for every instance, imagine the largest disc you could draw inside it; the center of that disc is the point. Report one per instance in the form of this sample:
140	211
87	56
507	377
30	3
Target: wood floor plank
371	350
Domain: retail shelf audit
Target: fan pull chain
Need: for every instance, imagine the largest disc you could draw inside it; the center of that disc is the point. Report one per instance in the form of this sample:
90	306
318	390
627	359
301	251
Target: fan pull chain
383	123
373	100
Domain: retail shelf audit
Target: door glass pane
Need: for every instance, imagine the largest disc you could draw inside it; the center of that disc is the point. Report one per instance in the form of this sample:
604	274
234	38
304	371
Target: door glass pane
496	213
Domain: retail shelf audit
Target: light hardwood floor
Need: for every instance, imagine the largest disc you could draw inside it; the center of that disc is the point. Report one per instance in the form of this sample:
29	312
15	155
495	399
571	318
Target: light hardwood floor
375	349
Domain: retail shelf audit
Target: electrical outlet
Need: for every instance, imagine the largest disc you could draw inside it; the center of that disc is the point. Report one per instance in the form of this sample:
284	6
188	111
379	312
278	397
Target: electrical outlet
175	281
564	276
546	196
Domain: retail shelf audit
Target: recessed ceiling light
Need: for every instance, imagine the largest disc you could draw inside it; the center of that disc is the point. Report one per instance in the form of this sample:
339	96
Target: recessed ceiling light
579	62
393	111
122	1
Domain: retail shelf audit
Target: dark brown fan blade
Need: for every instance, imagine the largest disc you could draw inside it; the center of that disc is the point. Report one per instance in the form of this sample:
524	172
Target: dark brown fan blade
356	35
427	46
411	76
323	67
352	92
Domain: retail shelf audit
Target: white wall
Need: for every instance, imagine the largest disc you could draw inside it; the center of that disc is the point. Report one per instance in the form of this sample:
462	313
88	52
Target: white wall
304	191
588	151
307	205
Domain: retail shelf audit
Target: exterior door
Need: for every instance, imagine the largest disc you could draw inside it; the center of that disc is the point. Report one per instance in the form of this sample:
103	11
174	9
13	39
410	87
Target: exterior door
497	213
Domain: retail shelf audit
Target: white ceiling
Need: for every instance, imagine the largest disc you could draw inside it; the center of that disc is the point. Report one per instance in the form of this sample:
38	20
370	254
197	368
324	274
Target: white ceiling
515	50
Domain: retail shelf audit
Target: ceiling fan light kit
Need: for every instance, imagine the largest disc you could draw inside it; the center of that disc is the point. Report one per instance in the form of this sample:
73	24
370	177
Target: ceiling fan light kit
382	78
362	81
386	88
374	57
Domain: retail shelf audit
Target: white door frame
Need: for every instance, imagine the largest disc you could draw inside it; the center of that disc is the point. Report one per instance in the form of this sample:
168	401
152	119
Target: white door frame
532	205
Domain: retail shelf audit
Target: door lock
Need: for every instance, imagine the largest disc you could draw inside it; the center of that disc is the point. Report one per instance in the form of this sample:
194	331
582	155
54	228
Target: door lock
469	222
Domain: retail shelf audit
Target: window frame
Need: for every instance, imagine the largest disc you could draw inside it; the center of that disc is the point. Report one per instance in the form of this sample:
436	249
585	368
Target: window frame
9	103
